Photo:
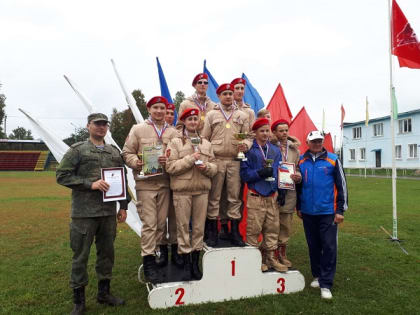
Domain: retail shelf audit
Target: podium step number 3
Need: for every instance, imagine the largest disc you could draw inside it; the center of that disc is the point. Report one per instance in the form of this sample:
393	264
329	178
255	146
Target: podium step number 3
228	274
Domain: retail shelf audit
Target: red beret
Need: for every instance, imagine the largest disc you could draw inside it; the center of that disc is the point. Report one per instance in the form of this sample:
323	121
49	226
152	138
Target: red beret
260	122
170	106
238	81
279	122
199	77
189	112
157	99
224	87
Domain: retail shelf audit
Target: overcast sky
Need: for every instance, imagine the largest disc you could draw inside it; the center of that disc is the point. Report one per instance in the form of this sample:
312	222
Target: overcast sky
324	53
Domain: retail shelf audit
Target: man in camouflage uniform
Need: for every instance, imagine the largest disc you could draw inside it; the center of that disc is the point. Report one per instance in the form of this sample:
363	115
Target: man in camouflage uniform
80	170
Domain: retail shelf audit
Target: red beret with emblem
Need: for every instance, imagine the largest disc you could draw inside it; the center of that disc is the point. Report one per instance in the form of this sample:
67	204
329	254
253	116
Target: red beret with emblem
189	112
157	99
170	106
260	122
199	77
238	81
279	122
224	87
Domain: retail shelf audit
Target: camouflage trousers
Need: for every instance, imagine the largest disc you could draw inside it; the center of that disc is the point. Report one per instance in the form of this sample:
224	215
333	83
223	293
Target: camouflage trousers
82	233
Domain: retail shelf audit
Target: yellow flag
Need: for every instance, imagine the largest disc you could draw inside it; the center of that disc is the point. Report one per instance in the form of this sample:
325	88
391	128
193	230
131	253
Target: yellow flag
367	112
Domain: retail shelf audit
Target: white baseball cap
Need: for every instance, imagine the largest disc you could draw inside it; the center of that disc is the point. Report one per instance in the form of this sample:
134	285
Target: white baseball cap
313	135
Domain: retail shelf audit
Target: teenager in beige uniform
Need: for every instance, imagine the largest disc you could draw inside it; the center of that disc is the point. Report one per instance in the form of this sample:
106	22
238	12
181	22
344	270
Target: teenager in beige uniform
190	184
198	100
238	101
220	126
290	153
153	195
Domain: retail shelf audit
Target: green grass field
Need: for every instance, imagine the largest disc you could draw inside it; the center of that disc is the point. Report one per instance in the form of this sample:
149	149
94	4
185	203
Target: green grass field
373	275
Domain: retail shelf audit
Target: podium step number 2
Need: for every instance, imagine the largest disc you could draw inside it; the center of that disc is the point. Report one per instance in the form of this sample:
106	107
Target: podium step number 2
228	274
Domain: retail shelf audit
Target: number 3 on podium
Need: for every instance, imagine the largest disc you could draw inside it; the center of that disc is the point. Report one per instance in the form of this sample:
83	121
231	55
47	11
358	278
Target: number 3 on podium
281	282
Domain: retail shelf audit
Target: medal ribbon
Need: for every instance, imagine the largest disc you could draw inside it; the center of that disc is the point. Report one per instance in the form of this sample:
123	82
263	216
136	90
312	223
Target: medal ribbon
159	132
265	156
202	107
224	114
284	156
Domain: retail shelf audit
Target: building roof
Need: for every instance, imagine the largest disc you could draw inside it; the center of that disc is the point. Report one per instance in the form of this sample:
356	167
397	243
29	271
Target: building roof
400	115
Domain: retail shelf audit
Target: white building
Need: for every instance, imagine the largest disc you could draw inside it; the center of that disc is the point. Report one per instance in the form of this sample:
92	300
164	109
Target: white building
370	146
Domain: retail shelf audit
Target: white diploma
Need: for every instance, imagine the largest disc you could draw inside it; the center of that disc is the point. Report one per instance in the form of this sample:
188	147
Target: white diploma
285	181
115	178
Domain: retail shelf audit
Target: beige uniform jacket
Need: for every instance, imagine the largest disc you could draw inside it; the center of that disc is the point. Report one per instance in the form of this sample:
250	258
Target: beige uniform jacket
142	135
190	103
246	108
185	177
292	157
225	146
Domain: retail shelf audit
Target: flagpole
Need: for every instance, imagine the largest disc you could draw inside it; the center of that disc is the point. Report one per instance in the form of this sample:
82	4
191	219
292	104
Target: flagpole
366	133
394	172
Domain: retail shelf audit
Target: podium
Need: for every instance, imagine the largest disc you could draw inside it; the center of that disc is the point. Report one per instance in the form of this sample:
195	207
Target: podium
229	273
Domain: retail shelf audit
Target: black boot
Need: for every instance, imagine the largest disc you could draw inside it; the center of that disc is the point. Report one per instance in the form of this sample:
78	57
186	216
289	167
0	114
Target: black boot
79	301
224	232
213	234
104	295
162	260
235	237
150	269
176	259
186	276
206	230
195	270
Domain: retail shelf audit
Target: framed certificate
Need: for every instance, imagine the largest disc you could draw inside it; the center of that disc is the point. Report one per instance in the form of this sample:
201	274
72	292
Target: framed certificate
151	166
115	178
284	179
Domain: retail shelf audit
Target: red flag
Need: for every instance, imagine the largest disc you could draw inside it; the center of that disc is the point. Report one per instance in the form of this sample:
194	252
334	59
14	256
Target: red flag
343	114
300	127
328	143
278	107
404	41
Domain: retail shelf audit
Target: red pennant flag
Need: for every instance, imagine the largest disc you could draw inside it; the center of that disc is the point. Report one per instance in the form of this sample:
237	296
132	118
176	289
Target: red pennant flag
404	41
278	107
300	127
328	143
343	114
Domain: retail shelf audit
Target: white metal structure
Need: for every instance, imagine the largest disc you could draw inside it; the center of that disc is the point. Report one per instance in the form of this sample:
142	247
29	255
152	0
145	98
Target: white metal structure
228	274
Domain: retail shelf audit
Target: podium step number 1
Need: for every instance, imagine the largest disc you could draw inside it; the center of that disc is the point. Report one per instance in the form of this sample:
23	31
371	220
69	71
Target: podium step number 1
228	274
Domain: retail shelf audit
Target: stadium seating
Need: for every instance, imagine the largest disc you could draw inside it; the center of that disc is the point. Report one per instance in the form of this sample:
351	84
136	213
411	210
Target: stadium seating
22	160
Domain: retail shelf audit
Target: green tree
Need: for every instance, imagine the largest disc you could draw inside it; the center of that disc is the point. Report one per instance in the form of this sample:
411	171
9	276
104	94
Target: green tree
79	134
121	123
141	102
21	133
179	97
2	114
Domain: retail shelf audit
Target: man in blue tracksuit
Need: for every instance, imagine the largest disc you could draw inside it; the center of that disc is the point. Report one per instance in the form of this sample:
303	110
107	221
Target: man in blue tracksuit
322	200
263	195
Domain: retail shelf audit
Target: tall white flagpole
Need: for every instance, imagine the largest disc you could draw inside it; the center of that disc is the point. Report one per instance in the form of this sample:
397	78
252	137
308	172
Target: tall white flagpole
394	171
366	133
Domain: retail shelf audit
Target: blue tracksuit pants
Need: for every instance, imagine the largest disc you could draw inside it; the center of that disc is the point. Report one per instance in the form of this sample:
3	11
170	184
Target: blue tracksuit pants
321	236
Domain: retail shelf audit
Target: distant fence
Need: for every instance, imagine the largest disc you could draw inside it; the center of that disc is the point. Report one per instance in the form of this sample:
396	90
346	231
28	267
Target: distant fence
401	172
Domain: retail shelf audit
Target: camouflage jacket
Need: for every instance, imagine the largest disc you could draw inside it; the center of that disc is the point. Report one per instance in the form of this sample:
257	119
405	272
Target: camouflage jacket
79	168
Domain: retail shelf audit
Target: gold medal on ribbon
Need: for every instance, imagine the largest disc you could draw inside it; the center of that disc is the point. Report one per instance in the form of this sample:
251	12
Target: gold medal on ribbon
228	125
202	116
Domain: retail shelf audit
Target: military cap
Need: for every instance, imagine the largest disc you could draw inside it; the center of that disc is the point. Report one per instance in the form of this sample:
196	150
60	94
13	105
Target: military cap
260	122
279	122
97	117
238	81
189	112
170	106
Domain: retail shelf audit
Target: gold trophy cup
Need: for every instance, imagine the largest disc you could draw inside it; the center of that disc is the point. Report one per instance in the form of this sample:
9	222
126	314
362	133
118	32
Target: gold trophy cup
268	163
195	142
240	136
140	156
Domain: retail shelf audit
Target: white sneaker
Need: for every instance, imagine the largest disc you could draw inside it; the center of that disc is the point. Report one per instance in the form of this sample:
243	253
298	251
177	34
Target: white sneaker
326	294
315	283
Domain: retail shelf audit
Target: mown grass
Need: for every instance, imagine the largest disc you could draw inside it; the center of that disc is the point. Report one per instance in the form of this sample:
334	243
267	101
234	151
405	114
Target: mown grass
373	275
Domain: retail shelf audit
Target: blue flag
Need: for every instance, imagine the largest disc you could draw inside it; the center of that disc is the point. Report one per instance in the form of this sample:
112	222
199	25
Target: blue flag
252	97
211	90
164	90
